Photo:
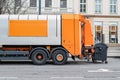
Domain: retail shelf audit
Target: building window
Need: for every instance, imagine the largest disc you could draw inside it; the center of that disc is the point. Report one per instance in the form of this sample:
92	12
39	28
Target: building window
83	6
113	38
98	32
113	6
17	3
97	6
48	3
63	3
33	3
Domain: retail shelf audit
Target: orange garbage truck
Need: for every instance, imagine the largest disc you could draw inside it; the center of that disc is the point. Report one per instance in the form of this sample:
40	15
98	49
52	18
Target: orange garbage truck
48	37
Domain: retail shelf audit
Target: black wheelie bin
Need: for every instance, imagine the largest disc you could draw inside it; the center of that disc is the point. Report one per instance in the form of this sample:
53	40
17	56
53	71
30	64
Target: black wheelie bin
100	53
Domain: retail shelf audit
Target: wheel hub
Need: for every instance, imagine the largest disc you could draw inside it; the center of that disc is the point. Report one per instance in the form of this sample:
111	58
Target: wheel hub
59	57
39	56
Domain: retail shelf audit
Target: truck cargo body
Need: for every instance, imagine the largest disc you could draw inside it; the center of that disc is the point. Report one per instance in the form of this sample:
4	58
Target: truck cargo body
34	30
42	37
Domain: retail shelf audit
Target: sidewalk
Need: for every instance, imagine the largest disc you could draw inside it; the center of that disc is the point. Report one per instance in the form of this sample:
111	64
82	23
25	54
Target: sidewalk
114	52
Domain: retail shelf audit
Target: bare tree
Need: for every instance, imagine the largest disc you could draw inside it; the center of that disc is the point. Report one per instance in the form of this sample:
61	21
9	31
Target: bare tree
2	5
11	7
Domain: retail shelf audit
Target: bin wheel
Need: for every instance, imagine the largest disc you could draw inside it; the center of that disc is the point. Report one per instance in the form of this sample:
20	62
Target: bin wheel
59	57
106	62
39	57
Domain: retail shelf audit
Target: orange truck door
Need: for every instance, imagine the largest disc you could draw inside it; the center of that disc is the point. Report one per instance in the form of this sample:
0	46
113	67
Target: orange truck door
71	34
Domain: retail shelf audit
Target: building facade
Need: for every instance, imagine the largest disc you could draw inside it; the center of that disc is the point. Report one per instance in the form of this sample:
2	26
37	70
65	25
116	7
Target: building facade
104	15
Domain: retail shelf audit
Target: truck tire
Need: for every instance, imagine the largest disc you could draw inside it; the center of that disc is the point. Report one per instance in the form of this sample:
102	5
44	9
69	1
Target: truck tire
59	57
39	57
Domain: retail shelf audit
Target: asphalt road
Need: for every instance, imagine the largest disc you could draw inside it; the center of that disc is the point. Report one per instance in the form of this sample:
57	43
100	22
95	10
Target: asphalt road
79	70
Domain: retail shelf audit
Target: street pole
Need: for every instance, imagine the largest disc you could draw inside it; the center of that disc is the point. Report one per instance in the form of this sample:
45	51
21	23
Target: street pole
39	7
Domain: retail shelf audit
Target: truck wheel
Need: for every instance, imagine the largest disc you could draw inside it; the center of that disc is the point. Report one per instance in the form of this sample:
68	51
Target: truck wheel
59	57
39	57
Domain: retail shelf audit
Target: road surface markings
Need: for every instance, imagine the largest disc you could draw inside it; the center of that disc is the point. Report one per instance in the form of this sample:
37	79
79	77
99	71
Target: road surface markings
7	78
67	77
99	70
102	70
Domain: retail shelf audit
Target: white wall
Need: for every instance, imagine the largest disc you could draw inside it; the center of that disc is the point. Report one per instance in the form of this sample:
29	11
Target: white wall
56	7
105	7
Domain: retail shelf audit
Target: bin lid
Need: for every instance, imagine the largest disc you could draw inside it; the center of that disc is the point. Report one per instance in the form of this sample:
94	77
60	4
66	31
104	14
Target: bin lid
101	45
